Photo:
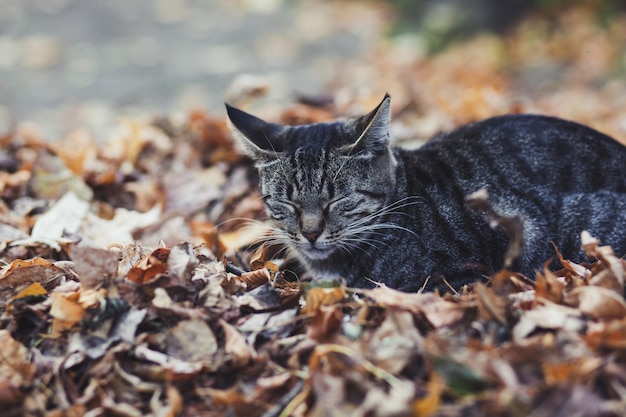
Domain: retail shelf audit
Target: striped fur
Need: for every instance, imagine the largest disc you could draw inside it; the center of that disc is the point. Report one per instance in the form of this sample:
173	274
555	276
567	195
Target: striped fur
348	205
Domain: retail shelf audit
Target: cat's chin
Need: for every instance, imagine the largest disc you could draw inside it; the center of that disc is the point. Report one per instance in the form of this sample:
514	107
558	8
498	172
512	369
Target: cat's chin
316	253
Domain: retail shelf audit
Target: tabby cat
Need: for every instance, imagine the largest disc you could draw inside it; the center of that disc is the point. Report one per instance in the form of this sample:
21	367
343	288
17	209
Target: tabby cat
349	205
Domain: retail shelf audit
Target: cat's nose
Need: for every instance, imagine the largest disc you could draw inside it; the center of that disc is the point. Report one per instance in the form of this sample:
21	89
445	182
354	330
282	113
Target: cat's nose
312	236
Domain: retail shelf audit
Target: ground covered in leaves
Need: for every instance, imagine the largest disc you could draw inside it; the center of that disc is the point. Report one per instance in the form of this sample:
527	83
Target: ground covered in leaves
133	285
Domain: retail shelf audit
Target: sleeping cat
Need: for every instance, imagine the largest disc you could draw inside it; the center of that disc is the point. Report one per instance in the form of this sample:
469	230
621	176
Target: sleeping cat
349	205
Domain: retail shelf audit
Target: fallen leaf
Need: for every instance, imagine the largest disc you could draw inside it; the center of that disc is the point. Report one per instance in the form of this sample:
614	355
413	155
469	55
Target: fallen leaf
16	371
191	341
236	346
438	311
598	302
548	286
491	306
428	405
319	296
149	268
95	267
326	322
66	311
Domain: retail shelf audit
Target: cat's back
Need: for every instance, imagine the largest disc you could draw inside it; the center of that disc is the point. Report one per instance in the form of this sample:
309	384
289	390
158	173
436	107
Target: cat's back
540	149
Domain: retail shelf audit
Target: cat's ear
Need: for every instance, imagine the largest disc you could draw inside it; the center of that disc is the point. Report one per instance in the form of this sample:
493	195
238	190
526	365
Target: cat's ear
260	138
372	130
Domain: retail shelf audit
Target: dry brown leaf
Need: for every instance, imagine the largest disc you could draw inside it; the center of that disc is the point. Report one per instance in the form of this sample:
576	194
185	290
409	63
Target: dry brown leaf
78	150
170	406
429	404
438	311
605	254
150	267
16	371
394	344
66	310
602	336
52	179
317	297
598	302
491	306
572	267
547	315
21	273
548	286
192	341
179	369
255	278
95	267
575	370
181	262
14	183
326	322
162	301
236	346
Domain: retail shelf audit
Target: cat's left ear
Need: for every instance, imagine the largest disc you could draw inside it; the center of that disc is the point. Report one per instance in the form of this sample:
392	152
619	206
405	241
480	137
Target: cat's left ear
373	130
262	140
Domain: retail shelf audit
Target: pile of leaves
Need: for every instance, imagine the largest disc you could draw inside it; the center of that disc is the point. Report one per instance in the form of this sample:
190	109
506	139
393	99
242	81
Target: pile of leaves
135	280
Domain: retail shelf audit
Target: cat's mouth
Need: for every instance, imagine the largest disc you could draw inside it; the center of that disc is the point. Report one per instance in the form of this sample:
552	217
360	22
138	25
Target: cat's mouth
316	251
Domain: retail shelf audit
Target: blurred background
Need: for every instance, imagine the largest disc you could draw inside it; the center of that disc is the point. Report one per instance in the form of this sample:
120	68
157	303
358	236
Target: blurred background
70	64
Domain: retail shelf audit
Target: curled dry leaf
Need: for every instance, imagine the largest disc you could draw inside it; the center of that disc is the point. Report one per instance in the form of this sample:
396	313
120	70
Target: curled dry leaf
548	286
66	311
317	297
236	346
572	267
491	306
150	267
598	302
438	311
326	322
547	316
20	274
606	255
256	278
182	261
395	343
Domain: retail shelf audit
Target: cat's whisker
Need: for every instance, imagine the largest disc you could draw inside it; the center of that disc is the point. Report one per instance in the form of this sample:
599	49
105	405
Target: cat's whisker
390	209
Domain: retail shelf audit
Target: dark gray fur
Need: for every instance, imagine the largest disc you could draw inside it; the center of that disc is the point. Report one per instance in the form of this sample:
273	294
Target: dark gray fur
349	205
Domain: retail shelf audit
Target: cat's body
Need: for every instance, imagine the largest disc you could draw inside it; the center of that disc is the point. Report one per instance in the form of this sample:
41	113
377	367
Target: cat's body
351	206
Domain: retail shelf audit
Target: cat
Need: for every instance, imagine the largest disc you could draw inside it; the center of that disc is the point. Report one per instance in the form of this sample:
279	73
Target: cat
349	205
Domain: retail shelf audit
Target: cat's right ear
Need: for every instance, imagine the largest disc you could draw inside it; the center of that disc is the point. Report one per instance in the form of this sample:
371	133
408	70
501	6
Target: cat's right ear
260	138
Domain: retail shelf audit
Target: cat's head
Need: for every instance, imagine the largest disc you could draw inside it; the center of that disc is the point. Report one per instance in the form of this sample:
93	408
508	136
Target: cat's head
323	184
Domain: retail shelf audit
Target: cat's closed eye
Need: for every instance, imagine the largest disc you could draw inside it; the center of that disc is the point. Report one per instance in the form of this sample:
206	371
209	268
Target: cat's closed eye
281	210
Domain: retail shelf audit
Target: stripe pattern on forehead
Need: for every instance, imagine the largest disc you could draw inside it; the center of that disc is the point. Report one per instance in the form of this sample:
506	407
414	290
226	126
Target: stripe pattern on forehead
310	172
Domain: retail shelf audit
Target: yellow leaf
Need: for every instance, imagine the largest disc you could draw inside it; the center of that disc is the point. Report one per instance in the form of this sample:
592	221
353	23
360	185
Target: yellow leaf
32	290
317	297
429	404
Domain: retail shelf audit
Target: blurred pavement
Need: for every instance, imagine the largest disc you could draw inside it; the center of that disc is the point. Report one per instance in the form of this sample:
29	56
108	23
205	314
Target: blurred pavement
66	64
